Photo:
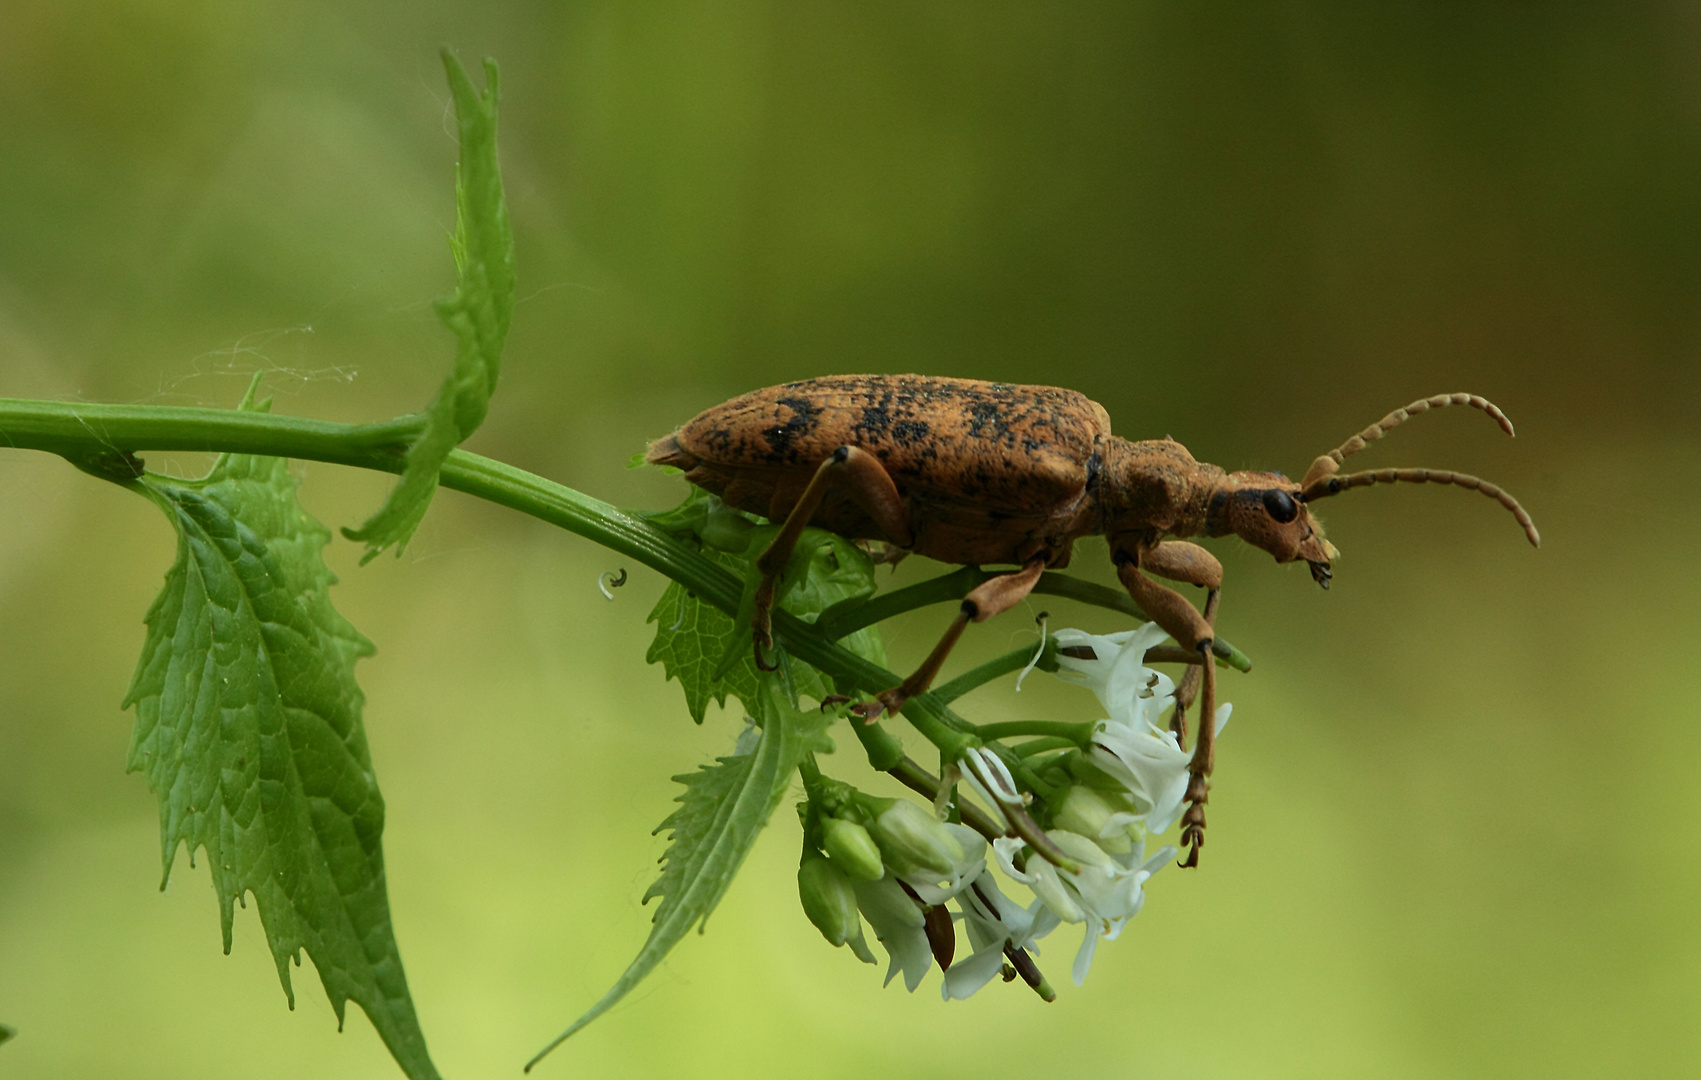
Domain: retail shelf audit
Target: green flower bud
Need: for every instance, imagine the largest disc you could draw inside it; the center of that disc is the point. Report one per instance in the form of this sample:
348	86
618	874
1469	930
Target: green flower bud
1085	772
1086	812
913	840
852	849
828	900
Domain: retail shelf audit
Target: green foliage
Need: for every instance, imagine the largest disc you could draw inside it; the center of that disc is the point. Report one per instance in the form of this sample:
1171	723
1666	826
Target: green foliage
248	729
6	1033
692	636
722	809
478	313
709	651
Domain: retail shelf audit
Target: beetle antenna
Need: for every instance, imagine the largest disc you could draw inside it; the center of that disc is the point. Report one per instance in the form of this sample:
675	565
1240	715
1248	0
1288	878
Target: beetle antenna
1334	485
1328	464
1400	416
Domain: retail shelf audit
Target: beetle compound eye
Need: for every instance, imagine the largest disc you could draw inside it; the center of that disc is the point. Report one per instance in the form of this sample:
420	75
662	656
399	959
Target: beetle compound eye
1280	505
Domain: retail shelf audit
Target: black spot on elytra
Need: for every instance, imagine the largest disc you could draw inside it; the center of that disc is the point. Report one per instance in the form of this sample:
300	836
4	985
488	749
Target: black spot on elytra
876	419
804	420
719	439
987	420
909	432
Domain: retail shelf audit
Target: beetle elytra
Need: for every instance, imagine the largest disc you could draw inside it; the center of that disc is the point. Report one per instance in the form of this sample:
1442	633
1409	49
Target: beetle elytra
973	472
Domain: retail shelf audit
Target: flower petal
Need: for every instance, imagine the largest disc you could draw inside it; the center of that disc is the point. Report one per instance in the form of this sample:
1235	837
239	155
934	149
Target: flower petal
897	922
968	976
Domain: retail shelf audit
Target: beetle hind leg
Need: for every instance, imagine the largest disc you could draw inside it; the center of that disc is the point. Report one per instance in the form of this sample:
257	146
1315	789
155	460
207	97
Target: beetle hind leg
994	596
869	485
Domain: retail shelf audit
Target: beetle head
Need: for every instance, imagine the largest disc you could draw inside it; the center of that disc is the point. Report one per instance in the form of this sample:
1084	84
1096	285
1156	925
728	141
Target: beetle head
1265	509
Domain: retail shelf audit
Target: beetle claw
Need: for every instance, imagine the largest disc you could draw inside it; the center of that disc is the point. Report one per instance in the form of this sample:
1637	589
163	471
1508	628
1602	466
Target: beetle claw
870	711
1193	821
758	645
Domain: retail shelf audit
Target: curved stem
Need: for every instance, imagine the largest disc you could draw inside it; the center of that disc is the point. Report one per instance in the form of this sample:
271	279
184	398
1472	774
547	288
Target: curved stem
853	615
1014	660
1034	747
81	431
1074	734
849	617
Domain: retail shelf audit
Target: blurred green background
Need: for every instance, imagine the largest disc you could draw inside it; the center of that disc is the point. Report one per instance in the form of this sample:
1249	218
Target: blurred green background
1456	817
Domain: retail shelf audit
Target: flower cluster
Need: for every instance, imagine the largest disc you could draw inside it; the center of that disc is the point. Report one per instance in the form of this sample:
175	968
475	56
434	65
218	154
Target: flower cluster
913	876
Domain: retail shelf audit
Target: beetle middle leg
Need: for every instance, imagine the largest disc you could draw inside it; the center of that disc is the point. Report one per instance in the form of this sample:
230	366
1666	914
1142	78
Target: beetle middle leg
994	596
1189	564
869	485
1193	632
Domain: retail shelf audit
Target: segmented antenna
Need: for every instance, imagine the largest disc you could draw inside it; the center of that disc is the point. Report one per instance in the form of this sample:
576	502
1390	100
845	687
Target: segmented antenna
1334	485
1321	480
1400	416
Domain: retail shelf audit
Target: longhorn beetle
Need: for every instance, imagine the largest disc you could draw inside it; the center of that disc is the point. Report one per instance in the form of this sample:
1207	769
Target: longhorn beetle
975	472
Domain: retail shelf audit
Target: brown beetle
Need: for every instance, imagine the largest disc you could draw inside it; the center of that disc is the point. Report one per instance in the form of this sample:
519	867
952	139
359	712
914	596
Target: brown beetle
964	471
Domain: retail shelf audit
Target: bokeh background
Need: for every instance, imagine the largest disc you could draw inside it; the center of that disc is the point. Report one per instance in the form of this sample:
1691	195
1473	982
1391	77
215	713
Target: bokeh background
1457	815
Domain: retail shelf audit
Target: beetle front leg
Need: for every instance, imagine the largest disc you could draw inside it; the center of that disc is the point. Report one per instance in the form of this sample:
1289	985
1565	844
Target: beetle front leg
869	485
994	596
1189	564
1182	621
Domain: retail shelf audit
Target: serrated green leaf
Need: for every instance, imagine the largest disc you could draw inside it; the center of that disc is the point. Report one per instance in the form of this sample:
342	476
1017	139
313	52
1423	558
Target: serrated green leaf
478	313
692	636
248	729
721	811
709	651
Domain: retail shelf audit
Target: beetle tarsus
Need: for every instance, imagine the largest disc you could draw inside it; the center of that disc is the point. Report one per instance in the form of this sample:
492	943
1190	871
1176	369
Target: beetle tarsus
869	711
1193	820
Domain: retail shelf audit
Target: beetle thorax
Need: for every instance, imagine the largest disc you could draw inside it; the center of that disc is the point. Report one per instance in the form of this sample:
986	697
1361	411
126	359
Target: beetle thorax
1155	488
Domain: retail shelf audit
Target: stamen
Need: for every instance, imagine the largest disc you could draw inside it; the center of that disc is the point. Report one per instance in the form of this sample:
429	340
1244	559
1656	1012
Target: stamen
1039	652
990	770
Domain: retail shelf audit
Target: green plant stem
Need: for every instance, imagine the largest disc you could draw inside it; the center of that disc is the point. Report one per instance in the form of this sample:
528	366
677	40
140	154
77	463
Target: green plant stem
883	749
82	432
853	615
85	432
1014	660
1039	746
1072	733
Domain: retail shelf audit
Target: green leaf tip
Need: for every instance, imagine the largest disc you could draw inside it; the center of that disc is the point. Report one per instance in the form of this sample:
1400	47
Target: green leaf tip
248	729
478	313
721	811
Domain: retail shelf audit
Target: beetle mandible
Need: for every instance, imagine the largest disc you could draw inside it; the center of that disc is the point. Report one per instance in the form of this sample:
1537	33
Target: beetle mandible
973	472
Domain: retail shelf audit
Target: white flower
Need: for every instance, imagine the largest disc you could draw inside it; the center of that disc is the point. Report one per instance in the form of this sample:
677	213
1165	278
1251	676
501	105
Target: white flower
1104	894
1128	690
1130	745
897	918
993	921
897	922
